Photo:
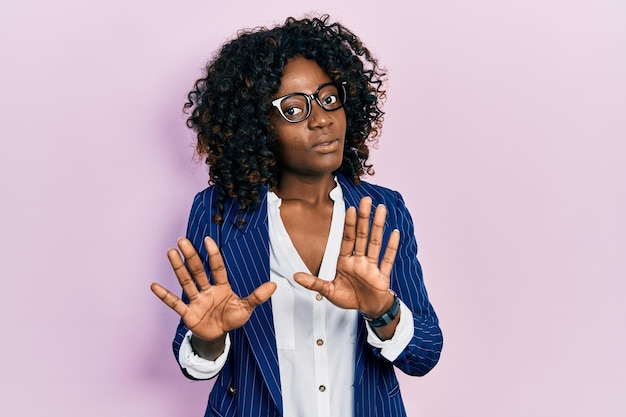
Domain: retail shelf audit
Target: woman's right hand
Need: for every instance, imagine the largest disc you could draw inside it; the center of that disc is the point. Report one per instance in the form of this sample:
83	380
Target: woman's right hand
213	310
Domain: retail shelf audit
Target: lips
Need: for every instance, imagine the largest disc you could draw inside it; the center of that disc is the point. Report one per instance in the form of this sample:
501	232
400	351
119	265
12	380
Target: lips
327	146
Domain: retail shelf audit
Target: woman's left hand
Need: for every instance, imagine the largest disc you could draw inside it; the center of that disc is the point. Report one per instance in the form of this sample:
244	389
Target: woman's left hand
359	283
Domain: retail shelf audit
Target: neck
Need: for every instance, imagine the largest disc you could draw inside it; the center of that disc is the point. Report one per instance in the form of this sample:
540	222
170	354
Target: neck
313	190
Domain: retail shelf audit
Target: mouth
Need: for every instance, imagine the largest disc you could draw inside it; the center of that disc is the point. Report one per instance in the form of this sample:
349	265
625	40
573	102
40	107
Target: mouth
327	146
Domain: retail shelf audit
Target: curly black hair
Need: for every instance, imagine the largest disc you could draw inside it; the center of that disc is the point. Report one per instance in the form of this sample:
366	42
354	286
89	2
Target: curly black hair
230	106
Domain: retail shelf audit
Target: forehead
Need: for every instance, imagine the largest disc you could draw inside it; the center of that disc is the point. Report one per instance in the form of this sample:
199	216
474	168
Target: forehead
302	75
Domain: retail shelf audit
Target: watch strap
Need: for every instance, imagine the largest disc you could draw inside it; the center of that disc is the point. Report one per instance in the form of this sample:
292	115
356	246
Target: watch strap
388	316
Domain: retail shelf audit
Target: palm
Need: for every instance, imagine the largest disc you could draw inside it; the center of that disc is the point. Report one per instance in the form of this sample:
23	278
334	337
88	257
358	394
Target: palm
213	310
216	311
359	282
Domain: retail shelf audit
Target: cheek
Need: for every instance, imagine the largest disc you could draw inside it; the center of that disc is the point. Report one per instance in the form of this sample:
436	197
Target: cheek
285	146
289	136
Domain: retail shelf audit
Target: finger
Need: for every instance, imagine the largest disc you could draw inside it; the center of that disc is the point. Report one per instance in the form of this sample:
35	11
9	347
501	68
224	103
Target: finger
169	299
314	283
261	294
390	253
376	234
347	243
182	274
194	263
362	226
216	262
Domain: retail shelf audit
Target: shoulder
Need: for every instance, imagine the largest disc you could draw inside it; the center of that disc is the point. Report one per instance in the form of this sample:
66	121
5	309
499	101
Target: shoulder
203	202
208	202
208	195
378	193
398	215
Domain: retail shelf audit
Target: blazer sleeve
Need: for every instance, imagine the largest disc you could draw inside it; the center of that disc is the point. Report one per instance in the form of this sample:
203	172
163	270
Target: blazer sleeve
198	227
423	351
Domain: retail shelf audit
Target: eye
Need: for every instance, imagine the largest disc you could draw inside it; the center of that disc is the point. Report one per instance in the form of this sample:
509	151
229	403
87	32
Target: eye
294	107
292	111
330	100
328	97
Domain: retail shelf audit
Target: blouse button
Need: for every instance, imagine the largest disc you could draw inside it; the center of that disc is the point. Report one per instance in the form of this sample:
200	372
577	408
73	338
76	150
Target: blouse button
322	388
319	342
319	297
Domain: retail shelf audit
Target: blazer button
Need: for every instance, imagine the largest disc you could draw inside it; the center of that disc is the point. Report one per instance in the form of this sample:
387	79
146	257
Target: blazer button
232	390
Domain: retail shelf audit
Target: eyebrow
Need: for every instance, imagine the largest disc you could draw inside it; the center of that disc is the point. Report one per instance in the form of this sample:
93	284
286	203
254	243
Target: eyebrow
302	92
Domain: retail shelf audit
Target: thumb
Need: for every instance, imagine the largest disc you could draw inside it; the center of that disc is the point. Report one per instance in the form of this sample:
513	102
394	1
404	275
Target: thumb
312	283
261	294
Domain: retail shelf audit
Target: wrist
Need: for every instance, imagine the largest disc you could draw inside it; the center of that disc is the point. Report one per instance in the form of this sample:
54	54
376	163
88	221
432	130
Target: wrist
386	316
207	349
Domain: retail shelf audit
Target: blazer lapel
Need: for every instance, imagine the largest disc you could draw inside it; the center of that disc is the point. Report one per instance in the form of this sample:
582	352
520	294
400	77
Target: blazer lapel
246	253
351	194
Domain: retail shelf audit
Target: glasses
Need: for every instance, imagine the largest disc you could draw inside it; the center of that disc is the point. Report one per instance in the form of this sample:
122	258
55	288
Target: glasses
296	107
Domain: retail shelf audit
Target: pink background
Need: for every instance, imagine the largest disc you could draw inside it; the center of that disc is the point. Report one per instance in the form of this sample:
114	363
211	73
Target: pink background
505	131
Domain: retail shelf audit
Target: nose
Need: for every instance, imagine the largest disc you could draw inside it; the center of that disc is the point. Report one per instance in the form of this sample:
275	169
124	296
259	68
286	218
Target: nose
319	117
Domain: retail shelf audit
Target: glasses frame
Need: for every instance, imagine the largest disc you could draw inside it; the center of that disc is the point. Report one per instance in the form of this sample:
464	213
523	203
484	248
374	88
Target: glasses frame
341	89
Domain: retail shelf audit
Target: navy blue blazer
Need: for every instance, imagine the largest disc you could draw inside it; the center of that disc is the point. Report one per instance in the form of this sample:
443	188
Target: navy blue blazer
249	383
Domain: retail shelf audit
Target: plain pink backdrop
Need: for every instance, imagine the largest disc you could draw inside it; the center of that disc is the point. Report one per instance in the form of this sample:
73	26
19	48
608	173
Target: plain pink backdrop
505	131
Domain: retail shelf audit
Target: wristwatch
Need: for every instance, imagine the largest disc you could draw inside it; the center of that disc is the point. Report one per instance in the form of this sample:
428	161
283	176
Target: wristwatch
388	316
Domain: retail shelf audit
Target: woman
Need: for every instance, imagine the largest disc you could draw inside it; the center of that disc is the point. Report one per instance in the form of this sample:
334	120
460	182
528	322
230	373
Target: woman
298	302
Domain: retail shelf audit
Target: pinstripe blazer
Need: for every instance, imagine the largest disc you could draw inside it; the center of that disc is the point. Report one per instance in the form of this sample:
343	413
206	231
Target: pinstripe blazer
249	383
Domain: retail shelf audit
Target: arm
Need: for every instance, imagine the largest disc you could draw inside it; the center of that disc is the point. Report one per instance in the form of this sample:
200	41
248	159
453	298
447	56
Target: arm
209	308
423	351
198	226
364	277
